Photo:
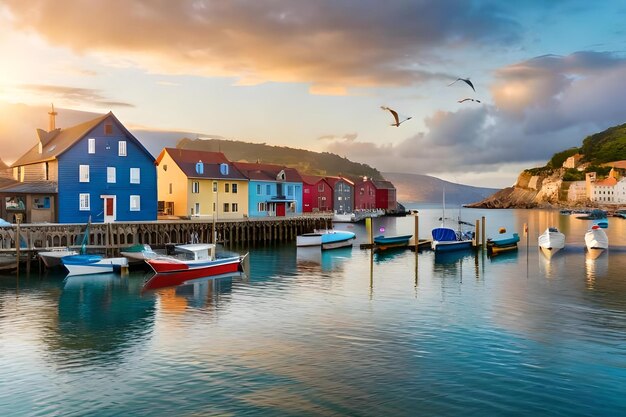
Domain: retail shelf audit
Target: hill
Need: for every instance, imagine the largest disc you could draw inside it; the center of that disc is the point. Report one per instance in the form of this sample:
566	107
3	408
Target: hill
308	162
414	188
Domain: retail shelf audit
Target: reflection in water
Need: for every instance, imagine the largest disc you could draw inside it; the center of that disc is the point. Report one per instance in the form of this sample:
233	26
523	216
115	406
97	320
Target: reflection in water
551	267
98	316
325	260
595	267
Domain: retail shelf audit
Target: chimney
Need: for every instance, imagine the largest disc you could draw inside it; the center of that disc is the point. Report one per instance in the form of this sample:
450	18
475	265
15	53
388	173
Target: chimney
52	121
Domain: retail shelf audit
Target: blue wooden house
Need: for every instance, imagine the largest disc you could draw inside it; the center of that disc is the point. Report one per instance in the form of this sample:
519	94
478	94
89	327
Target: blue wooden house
273	190
97	169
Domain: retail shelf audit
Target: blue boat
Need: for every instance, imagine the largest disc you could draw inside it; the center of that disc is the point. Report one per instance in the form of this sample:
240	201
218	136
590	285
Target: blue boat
327	239
447	240
388	242
602	223
92	264
595	214
505	243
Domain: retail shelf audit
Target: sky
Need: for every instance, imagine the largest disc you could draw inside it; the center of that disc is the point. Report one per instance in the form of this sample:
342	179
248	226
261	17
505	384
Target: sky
314	75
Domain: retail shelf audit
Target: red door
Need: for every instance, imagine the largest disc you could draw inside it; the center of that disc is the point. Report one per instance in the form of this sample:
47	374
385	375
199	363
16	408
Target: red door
280	209
109	207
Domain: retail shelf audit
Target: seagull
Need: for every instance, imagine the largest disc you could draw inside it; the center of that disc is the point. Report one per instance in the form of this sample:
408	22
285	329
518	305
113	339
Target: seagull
471	99
467	80
395	116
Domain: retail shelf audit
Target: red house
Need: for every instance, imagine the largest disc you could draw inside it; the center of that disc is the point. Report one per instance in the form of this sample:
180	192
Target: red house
317	194
364	195
385	195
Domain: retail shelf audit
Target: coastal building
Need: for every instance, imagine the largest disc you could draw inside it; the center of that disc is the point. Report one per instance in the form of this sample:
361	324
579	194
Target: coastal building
317	194
572	161
603	191
95	170
365	195
200	184
343	194
620	191
273	190
577	191
385	195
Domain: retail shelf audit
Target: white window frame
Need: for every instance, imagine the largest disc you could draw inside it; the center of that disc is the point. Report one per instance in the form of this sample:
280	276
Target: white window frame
91	145
234	208
83	173
83	202
121	148
136	178
111	175
195	187
135	203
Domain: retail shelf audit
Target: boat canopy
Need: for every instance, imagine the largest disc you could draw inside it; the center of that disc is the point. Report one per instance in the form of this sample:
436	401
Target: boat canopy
444	234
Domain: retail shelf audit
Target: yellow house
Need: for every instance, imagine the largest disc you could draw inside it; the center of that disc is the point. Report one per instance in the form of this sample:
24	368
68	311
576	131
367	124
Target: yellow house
200	184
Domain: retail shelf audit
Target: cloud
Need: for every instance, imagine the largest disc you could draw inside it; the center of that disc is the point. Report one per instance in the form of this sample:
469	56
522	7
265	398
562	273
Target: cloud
72	95
350	137
541	106
333	45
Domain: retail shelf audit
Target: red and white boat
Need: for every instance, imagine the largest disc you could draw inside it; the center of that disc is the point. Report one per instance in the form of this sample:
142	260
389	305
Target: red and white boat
197	260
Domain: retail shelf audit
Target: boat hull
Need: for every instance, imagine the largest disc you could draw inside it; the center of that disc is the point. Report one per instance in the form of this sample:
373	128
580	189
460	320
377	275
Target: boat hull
382	243
102	266
195	269
596	239
327	239
337	244
451	246
551	242
52	259
496	249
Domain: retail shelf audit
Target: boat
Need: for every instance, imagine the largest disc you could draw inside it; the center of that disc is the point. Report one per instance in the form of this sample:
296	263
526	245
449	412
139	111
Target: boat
446	239
198	260
504	243
602	223
92	264
52	258
551	241
138	253
596	238
595	214
158	281
344	217
383	242
327	239
565	212
8	262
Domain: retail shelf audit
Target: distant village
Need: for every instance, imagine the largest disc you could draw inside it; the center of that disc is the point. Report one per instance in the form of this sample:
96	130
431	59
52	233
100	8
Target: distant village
98	170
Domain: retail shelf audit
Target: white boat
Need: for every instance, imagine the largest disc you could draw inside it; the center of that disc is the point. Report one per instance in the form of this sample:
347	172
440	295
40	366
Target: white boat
596	238
551	241
52	258
327	239
344	217
138	254
92	264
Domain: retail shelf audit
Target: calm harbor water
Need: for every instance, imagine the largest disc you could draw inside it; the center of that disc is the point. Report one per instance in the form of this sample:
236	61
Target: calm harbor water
333	333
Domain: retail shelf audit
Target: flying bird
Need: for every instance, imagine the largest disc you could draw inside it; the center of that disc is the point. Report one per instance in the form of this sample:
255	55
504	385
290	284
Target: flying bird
467	80
470	99
396	117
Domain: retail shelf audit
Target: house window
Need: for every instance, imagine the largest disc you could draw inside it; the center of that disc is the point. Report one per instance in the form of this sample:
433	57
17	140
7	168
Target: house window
111	175
214	186
258	189
135	203
226	187
195	187
83	201
261	207
233	188
213	207
83	173
91	145
226	207
121	148
224	169
108	129
290	190
268	189
235	207
170	188
320	187
200	167
41	202
197	208
307	191
134	176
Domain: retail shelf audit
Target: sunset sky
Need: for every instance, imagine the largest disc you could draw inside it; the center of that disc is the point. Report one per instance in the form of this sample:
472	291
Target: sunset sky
313	75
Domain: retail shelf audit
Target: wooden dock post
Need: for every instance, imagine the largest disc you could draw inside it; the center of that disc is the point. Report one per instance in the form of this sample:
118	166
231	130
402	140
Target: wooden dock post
17	246
370	229
482	238
476	236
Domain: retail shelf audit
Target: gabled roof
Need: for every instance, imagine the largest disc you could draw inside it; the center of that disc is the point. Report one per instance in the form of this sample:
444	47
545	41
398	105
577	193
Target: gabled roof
312	179
267	172
383	185
55	144
187	160
333	180
606	182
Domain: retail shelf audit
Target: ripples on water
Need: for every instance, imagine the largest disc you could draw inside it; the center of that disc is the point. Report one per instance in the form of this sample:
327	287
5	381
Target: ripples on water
311	333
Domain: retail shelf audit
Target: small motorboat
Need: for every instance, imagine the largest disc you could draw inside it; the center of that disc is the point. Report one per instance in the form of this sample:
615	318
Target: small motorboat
596	239
446	240
138	253
52	258
92	264
595	214
327	239
504	243
389	242
551	241
602	223
197	260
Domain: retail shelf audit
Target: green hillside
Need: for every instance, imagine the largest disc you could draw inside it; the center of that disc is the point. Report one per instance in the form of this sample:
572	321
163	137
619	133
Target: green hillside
308	162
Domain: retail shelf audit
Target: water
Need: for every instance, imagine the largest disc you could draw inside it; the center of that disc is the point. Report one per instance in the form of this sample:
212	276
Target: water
311	333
